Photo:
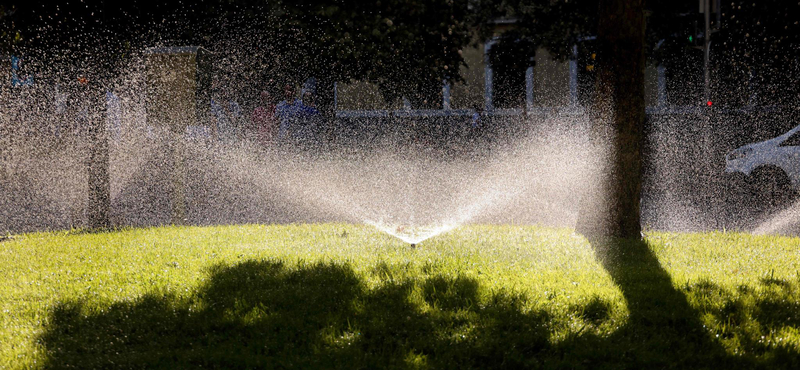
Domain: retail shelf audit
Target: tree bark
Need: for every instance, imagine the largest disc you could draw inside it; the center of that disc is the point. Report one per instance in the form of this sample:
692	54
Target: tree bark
619	117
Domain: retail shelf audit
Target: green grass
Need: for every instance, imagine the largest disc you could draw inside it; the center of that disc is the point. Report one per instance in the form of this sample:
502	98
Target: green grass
347	296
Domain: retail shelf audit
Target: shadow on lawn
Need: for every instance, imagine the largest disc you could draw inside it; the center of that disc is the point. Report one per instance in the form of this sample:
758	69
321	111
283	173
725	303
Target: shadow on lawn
664	331
263	314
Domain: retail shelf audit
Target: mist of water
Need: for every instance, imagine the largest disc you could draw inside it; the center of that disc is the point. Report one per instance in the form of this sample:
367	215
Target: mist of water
402	189
410	190
414	197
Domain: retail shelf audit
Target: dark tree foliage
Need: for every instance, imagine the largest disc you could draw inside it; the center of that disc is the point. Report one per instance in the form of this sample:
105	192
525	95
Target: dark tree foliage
9	33
756	53
554	25
406	47
558	25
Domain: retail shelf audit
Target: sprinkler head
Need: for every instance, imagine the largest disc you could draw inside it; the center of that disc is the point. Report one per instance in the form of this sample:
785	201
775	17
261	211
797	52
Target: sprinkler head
413	245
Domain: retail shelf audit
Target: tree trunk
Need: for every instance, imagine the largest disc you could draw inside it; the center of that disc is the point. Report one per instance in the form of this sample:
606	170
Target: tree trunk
614	206
99	185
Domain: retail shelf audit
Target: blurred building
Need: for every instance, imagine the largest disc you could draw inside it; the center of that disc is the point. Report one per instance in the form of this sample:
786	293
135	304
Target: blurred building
548	87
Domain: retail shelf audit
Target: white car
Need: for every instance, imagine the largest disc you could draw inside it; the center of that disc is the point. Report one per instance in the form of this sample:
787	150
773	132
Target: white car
771	165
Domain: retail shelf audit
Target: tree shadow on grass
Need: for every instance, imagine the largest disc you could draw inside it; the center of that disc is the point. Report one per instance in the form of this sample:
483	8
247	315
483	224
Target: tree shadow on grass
262	314
265	315
756	318
663	329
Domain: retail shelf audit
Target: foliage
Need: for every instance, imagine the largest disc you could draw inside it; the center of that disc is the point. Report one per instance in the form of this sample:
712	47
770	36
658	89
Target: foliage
406	47
756	53
557	26
9	34
346	296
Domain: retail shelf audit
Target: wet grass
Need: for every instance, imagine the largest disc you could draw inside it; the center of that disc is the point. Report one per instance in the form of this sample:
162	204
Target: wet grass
347	296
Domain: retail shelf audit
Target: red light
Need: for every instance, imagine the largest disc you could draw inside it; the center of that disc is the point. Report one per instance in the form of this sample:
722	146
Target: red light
709	103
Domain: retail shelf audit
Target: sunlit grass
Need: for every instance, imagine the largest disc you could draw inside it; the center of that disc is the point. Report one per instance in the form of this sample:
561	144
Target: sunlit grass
339	295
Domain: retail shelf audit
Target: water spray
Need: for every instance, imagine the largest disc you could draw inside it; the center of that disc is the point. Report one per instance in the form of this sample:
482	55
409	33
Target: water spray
412	235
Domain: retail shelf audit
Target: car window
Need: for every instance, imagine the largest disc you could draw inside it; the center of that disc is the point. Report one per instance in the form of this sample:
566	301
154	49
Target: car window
793	140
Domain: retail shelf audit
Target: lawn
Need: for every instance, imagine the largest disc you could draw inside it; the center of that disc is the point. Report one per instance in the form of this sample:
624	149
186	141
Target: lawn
348	296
